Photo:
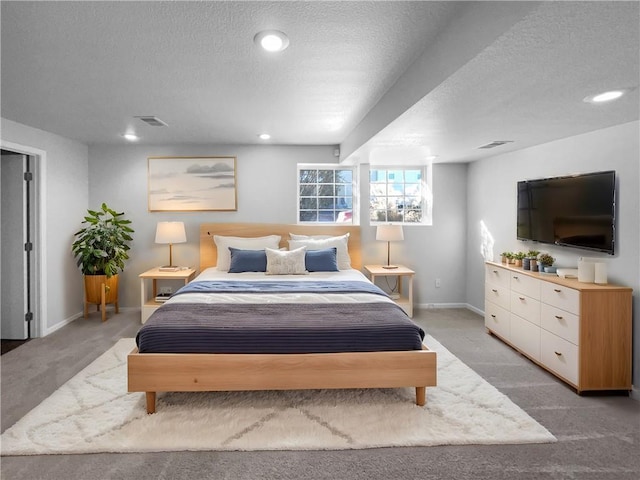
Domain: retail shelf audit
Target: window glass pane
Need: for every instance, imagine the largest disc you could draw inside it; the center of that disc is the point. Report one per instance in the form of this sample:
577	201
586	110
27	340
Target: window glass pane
344	202
325	176
308	176
344	176
307	203
344	190
326	203
326	216
325	190
378	215
308	190
395	176
414	176
378	176
308	215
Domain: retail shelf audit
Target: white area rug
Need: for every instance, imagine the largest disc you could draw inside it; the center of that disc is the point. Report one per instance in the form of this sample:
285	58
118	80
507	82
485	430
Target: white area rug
93	412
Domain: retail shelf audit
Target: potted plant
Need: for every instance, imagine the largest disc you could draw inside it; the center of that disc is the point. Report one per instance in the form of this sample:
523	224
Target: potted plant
505	256
532	256
546	261
518	258
101	249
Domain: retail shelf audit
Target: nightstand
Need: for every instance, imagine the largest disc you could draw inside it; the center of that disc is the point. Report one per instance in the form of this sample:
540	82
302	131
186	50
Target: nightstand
406	298
147	302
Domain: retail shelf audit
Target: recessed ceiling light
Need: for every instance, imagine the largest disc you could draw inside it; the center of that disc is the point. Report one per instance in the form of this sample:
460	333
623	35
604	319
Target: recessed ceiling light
264	136
606	96
132	137
272	40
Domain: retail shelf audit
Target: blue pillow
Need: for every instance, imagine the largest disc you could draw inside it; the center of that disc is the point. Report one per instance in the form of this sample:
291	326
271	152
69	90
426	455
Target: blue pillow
247	260
324	260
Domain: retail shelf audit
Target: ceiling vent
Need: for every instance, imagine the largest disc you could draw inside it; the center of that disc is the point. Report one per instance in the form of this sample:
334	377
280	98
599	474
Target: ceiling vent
495	143
153	121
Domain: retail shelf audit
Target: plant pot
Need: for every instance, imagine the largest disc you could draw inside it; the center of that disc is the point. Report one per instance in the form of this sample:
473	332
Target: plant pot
526	264
100	290
518	263
534	265
550	269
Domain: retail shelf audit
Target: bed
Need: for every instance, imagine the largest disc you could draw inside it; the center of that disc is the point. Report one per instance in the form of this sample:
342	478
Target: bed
303	361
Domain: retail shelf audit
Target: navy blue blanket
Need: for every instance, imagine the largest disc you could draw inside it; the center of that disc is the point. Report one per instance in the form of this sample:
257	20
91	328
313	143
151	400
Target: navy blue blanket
284	286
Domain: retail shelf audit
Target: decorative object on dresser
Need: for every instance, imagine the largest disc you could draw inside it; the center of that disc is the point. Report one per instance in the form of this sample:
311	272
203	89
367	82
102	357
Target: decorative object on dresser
402	298
389	233
101	249
170	232
579	332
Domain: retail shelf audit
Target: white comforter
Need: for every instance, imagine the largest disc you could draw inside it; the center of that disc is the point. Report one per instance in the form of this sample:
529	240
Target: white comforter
344	275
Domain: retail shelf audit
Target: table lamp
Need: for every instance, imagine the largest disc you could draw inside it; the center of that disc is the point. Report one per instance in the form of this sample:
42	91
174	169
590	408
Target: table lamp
170	232
389	233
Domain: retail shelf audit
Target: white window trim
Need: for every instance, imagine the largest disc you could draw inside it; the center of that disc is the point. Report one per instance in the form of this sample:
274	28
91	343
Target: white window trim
427	193
355	192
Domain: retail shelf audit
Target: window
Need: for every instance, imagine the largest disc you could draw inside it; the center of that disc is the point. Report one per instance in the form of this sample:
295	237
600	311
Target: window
326	194
399	195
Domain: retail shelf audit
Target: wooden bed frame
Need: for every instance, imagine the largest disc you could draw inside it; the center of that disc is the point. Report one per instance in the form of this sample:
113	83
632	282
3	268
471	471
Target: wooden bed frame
166	372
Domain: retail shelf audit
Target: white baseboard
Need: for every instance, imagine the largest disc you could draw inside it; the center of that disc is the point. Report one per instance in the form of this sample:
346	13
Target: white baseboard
635	394
59	325
427	306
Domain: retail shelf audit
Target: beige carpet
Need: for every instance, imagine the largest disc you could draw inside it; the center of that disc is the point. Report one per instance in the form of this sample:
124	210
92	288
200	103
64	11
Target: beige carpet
93	412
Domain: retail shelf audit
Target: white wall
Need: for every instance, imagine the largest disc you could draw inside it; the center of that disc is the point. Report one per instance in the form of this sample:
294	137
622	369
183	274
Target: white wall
65	187
492	199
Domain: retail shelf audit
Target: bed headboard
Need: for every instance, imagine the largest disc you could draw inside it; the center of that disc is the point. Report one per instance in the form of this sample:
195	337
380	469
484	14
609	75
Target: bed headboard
209	252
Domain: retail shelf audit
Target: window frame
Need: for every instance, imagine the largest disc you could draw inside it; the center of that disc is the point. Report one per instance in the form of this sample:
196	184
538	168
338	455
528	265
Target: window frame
355	210
426	193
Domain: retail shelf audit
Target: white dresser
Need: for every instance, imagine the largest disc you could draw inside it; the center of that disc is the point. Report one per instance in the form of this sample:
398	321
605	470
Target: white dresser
580	332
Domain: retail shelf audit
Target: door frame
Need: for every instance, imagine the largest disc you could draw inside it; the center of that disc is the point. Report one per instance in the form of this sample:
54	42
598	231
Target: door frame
39	294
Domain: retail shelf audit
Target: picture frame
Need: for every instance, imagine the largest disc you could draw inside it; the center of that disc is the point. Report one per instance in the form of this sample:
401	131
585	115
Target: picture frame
189	184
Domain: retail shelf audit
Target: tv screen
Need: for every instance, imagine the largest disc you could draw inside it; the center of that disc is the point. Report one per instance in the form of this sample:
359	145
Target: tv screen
575	211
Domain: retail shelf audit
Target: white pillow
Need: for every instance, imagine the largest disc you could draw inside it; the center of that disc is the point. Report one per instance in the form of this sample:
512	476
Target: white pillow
295	236
255	243
344	261
281	262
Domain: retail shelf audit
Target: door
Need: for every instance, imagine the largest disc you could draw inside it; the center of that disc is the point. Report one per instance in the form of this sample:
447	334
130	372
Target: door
15	255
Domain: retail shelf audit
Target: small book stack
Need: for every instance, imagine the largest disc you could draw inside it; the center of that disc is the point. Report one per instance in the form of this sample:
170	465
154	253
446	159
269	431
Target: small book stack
162	297
167	268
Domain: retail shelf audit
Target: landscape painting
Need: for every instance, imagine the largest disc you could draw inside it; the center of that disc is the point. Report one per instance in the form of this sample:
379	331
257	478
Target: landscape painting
185	184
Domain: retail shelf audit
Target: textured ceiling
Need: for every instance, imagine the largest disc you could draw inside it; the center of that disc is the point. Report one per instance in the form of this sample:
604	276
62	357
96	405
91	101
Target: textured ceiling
84	70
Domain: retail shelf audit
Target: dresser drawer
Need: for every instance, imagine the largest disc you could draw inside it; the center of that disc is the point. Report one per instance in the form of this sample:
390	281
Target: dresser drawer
526	285
559	356
496	319
565	298
525	336
525	307
497	276
561	323
499	295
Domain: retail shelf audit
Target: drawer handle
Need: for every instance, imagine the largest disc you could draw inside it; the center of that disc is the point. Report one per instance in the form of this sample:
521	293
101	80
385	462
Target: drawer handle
521	298
494	290
495	271
557	290
559	317
558	353
493	316
515	278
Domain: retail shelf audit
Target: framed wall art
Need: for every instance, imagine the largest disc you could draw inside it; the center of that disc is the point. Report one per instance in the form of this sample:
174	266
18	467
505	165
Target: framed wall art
186	184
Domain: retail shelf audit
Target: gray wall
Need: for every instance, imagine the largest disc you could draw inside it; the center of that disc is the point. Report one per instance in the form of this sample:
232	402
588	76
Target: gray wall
267	193
491	198
64	186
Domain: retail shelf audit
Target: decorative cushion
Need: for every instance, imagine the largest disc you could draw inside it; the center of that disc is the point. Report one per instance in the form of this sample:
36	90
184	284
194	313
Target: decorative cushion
247	260
324	260
283	262
340	243
256	243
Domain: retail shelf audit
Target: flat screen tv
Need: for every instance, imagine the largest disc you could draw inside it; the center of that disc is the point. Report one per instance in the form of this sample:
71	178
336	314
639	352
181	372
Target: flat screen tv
574	211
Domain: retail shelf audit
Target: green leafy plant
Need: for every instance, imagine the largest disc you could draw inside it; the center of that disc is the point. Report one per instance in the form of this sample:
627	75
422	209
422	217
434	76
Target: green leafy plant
546	259
101	247
519	255
533	254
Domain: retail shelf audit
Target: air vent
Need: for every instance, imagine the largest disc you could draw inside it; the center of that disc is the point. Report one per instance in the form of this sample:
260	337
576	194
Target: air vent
496	143
153	121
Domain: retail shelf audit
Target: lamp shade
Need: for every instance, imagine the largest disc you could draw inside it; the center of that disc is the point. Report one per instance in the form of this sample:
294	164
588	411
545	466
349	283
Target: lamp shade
389	233
170	232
